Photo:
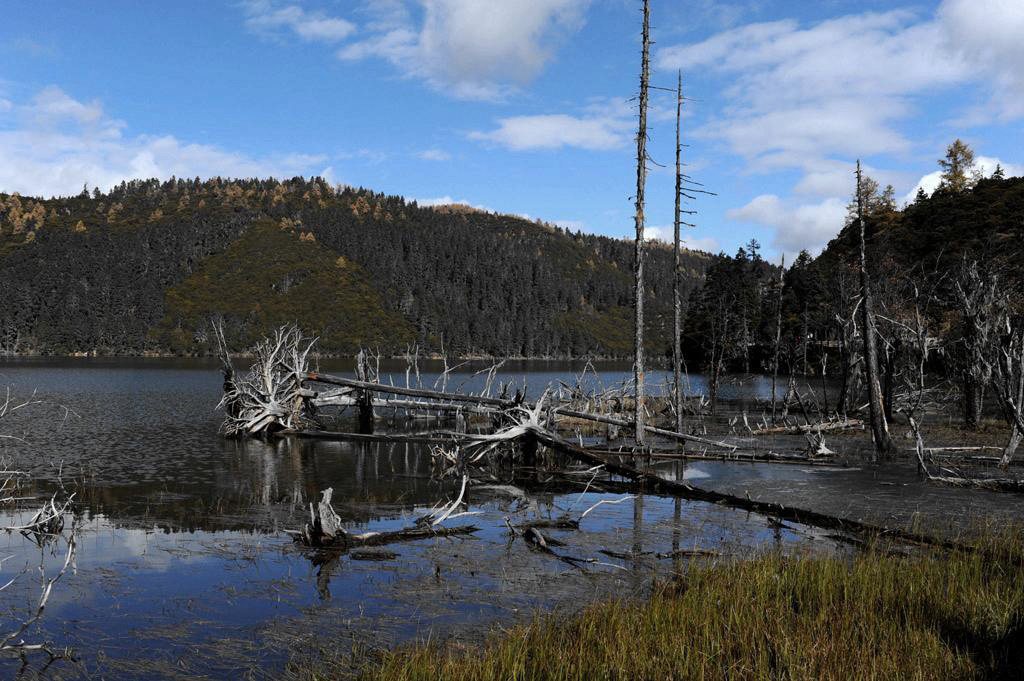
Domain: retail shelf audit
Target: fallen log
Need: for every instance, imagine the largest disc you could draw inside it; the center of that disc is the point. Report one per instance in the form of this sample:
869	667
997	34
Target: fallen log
992	484
809	428
739	455
623	423
504	403
655	483
434	439
330	379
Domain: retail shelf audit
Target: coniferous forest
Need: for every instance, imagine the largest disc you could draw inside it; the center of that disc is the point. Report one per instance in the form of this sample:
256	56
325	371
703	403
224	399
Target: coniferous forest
143	267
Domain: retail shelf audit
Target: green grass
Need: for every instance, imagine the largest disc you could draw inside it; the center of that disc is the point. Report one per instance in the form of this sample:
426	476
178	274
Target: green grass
875	616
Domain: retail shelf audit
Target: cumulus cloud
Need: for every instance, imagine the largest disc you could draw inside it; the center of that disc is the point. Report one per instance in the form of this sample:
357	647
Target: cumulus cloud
604	124
666	233
987	34
813	97
53	144
835	88
555	131
796	227
985	165
702	243
471	49
266	17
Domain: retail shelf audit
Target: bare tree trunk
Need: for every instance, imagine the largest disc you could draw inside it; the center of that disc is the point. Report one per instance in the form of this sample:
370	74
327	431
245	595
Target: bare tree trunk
1008	380
677	274
972	403
888	395
879	427
778	332
716	373
638	265
806	339
1011	448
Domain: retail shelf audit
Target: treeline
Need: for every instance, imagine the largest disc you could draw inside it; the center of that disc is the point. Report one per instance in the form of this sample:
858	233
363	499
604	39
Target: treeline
142	267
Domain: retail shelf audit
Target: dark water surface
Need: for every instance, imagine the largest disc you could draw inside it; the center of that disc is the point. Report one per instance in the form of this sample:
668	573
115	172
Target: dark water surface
183	569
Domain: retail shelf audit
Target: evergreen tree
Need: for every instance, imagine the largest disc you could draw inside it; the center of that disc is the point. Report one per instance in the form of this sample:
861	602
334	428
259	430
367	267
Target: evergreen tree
958	172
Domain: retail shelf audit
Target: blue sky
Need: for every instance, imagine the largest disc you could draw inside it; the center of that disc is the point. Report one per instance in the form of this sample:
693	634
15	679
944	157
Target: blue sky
519	107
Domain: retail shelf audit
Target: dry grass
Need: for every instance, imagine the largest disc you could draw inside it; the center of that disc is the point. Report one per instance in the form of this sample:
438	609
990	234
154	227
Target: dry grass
879	615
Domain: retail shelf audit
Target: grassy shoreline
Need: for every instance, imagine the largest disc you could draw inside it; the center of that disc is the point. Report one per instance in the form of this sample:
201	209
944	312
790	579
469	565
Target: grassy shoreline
877	615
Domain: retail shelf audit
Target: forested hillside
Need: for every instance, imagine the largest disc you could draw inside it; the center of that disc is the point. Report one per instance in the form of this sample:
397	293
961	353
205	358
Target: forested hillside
142	267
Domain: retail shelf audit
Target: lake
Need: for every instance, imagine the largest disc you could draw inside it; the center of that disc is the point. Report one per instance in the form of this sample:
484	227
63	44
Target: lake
183	568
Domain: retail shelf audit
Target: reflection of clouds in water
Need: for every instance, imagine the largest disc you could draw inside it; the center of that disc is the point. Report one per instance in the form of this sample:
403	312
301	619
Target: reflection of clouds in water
102	543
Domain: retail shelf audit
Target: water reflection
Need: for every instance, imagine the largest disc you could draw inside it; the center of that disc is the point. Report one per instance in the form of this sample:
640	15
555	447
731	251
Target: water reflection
182	556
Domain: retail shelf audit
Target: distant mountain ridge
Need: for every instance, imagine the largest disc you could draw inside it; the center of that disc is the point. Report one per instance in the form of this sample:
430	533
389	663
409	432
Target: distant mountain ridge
141	268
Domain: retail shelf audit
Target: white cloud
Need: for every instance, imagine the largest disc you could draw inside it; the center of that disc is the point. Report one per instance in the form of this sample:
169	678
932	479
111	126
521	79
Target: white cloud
471	49
814	97
434	155
605	124
666	234
449	201
987	34
576	225
266	17
986	165
837	87
555	131
796	227
706	243
53	144
658	233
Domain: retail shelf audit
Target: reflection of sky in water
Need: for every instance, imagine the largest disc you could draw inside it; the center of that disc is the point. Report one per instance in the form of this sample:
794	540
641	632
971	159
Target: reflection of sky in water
182	554
168	592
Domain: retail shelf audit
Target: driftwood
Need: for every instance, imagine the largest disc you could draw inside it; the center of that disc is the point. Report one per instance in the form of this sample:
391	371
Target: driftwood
270	396
505	404
330	379
324	530
994	484
748	456
810	428
678	553
623	423
442	437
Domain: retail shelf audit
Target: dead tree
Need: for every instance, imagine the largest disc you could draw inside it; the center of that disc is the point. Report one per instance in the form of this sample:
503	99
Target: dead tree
847	306
677	273
917	336
271	396
979	302
1008	382
778	332
638	264
879	427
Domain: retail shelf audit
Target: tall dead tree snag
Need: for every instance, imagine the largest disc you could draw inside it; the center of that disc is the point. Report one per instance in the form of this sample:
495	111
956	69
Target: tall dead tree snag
778	332
879	427
677	270
638	264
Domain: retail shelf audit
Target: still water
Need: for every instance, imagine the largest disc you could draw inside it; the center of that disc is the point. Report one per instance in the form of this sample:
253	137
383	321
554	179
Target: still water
183	568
